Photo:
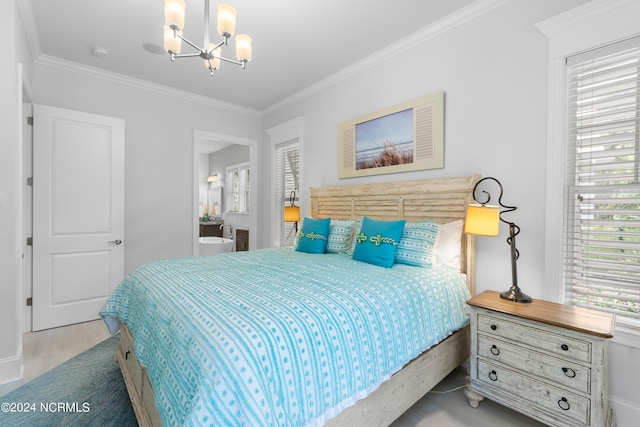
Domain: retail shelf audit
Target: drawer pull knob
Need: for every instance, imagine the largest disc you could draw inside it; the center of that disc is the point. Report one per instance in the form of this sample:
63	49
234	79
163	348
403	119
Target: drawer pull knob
494	327
126	355
493	376
495	350
564	347
563	404
569	372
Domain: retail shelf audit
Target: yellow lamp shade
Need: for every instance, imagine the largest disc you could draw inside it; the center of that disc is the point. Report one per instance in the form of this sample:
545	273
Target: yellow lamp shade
226	20
291	213
483	220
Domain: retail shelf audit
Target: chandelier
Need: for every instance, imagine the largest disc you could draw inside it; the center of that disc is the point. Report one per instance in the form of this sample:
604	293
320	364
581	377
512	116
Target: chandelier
174	11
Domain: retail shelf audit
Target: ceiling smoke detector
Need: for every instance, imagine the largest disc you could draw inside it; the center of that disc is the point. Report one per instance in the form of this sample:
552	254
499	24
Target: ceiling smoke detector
100	52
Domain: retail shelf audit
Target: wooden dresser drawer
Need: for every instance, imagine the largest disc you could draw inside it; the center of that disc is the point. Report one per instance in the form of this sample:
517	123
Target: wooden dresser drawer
558	402
550	342
129	358
562	372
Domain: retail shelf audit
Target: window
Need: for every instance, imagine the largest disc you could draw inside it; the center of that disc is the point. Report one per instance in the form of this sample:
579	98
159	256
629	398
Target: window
602	230
286	179
286	142
238	181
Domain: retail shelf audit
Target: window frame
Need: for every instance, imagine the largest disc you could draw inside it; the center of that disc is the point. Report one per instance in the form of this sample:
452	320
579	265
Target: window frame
284	234
288	131
242	169
599	190
570	33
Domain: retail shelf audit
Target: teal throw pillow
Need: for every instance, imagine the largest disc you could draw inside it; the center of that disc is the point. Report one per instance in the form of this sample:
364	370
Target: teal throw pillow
416	246
313	235
377	241
339	235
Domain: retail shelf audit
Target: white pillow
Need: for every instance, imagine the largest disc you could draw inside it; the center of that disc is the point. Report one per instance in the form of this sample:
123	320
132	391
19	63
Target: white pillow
340	232
417	243
447	245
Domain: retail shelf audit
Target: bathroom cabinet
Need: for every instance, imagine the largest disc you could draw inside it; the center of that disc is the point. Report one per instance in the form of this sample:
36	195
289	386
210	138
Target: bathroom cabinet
242	240
210	229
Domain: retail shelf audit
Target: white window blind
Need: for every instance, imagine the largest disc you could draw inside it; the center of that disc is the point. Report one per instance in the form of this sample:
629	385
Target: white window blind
287	171
602	251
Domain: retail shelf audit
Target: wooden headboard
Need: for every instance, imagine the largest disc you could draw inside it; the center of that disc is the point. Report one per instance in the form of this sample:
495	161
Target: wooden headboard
442	200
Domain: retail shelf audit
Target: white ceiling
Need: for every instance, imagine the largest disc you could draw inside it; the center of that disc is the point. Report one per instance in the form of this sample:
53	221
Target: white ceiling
296	43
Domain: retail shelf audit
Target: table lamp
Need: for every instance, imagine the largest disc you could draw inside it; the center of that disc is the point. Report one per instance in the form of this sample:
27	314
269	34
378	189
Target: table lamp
292	213
484	220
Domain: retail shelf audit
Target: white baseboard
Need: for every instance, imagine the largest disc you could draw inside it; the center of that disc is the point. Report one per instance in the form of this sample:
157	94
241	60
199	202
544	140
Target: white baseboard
11	368
627	413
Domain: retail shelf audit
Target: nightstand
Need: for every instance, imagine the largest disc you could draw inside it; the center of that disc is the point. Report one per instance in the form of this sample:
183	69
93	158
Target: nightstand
545	360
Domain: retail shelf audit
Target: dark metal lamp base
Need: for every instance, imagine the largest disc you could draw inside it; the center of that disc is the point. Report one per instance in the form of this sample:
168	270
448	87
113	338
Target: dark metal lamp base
515	294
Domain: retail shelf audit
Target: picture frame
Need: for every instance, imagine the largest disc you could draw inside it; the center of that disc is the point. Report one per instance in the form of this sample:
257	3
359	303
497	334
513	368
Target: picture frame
406	137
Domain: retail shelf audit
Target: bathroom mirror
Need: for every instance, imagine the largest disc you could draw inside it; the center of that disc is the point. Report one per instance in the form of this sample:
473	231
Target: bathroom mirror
215	201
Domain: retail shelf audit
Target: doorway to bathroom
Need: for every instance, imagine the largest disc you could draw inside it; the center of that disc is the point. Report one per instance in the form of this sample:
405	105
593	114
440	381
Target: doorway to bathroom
216	158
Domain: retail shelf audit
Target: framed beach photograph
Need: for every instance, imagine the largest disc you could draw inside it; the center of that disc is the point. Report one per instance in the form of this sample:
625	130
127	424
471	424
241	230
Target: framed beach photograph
405	137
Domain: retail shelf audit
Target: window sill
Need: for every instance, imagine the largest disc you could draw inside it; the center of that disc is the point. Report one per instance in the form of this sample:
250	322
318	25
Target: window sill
626	335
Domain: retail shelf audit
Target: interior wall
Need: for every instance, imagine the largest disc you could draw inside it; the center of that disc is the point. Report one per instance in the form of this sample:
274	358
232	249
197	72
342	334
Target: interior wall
10	199
494	72
158	150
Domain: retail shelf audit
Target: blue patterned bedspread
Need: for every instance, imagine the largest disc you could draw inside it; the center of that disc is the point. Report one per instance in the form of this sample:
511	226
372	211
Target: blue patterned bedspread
275	337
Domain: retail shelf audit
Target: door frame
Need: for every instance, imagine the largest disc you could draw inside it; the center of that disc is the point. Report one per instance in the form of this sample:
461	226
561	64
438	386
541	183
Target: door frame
200	135
26	202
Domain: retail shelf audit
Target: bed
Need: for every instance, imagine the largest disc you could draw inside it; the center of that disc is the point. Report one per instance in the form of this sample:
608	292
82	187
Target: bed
276	341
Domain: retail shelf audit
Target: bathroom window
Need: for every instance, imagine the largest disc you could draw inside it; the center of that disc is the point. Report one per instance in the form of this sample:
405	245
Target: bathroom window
238	179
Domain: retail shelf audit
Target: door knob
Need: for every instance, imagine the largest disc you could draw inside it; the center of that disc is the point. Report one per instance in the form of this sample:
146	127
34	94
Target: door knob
114	242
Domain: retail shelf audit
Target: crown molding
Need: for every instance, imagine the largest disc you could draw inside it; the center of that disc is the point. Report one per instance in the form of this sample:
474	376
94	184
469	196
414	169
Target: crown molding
573	32
576	15
455	19
30	29
74	67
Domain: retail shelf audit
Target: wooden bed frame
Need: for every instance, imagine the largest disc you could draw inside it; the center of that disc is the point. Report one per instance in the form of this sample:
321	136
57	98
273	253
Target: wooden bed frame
442	200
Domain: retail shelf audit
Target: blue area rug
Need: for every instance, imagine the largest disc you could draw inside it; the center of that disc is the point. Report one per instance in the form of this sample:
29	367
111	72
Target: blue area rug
87	390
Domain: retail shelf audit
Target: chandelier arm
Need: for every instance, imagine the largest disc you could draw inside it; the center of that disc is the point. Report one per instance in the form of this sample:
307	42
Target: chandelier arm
232	61
189	42
186	55
222	43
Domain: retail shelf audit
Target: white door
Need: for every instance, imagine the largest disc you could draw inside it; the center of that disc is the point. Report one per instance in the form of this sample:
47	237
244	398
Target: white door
78	214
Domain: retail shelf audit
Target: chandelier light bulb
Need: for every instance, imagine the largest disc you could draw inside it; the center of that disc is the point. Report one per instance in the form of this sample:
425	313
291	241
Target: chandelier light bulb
172	43
174	11
211	53
213	63
226	20
243	47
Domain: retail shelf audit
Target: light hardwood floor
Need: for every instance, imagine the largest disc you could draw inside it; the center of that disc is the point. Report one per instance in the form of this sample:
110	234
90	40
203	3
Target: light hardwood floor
47	349
44	350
